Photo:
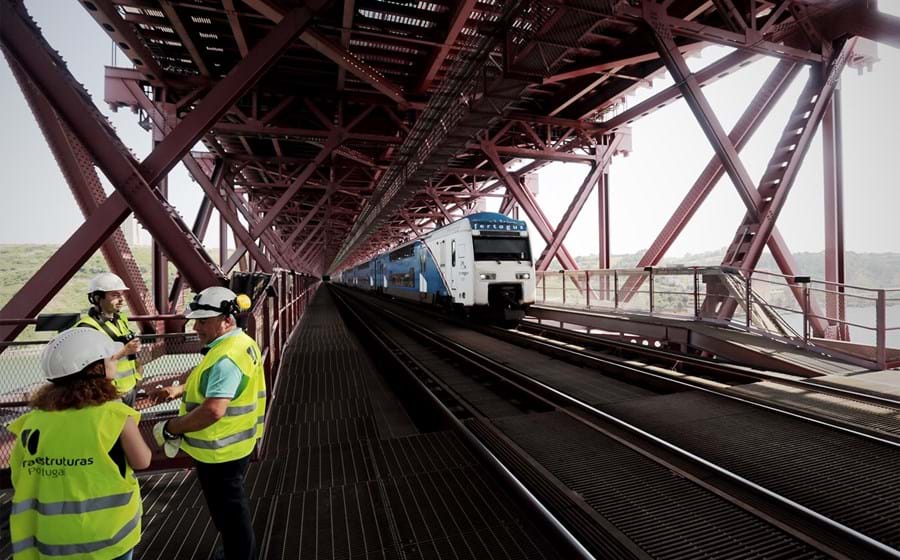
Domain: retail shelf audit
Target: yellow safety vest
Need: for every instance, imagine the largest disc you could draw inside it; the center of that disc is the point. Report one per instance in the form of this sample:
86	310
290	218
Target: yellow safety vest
234	435
71	500
127	371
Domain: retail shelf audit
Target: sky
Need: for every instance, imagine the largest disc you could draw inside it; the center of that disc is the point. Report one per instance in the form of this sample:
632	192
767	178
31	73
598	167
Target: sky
668	151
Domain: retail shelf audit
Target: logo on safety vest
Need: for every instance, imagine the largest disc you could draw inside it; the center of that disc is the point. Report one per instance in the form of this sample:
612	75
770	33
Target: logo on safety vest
42	465
30	439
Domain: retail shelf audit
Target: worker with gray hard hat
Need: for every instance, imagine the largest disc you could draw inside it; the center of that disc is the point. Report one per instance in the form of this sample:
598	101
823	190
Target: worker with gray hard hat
72	460
106	296
221	415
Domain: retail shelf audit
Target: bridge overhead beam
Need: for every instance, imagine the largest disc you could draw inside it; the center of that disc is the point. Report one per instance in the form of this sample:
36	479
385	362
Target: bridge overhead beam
337	54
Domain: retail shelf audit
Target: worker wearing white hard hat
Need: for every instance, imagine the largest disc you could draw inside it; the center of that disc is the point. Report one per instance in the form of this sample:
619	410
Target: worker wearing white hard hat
221	415
107	299
74	452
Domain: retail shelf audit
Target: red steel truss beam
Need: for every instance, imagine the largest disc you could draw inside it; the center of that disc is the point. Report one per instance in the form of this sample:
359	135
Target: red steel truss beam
22	42
340	56
335	138
527	202
755	114
608	66
78	169
587	187
210	189
835	305
776	183
458	20
702	110
655	15
225	93
65	262
704	77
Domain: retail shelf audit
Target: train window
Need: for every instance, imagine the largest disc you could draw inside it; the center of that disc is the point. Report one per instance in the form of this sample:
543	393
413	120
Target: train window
502	249
422	256
453	253
403	253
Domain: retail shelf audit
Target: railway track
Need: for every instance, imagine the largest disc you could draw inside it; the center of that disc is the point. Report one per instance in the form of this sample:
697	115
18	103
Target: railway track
614	483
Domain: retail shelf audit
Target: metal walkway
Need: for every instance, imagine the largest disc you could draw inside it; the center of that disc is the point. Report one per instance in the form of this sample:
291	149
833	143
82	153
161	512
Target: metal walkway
346	473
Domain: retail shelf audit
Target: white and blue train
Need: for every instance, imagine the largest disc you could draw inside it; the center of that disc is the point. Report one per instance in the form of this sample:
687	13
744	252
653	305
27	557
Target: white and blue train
481	263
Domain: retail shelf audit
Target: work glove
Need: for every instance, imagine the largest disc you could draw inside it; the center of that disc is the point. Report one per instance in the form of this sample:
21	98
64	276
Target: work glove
169	442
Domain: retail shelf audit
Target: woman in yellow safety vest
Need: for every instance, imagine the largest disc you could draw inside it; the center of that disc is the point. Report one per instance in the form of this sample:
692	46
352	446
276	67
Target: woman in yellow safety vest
75	495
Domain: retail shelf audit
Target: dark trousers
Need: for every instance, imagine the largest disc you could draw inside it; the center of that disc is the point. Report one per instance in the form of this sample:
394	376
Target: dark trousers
223	488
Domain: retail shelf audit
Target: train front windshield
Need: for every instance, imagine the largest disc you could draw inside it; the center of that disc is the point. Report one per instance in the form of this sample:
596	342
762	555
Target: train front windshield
502	249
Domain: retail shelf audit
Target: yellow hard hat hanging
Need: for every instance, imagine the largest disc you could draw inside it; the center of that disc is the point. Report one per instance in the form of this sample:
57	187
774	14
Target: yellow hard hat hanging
243	302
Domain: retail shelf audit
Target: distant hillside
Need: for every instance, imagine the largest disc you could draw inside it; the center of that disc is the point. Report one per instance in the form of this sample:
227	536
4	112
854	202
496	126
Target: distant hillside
19	262
868	270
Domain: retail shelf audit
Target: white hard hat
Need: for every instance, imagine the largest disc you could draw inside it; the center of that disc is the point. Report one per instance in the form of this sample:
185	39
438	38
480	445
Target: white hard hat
211	302
73	350
106	282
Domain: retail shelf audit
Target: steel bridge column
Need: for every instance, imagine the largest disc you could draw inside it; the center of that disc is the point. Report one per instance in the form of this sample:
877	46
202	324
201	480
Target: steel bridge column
834	217
160	264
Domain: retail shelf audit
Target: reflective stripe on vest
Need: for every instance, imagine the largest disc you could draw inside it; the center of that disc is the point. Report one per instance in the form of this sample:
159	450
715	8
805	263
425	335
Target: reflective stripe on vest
62	508
77	548
127	373
230	411
234	435
221	442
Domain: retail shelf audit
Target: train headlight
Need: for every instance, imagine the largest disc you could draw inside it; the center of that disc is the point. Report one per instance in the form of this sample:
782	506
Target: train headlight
523	276
488	276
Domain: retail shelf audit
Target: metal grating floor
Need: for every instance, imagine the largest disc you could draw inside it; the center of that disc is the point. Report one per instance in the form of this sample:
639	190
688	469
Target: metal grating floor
664	514
848	478
346	474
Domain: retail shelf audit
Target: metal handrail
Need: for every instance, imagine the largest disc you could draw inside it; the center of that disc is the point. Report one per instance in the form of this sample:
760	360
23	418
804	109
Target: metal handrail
759	314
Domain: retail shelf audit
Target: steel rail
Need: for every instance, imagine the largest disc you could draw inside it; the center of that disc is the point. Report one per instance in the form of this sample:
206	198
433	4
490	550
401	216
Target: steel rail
562	533
829	536
727	369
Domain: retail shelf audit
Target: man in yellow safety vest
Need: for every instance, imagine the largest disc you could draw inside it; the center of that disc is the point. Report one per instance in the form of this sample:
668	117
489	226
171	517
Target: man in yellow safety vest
221	415
105	294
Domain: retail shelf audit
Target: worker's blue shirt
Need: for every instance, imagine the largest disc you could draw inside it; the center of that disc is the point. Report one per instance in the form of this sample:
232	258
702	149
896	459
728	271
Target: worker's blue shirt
223	379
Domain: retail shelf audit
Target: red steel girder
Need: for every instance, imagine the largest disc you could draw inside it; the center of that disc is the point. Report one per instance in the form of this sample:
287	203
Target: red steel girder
210	189
528	203
461	12
584	191
755	114
78	169
226	92
779	176
21	41
655	15
835	304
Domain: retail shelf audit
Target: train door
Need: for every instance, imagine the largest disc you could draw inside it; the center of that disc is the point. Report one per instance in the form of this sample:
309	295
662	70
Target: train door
453	266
